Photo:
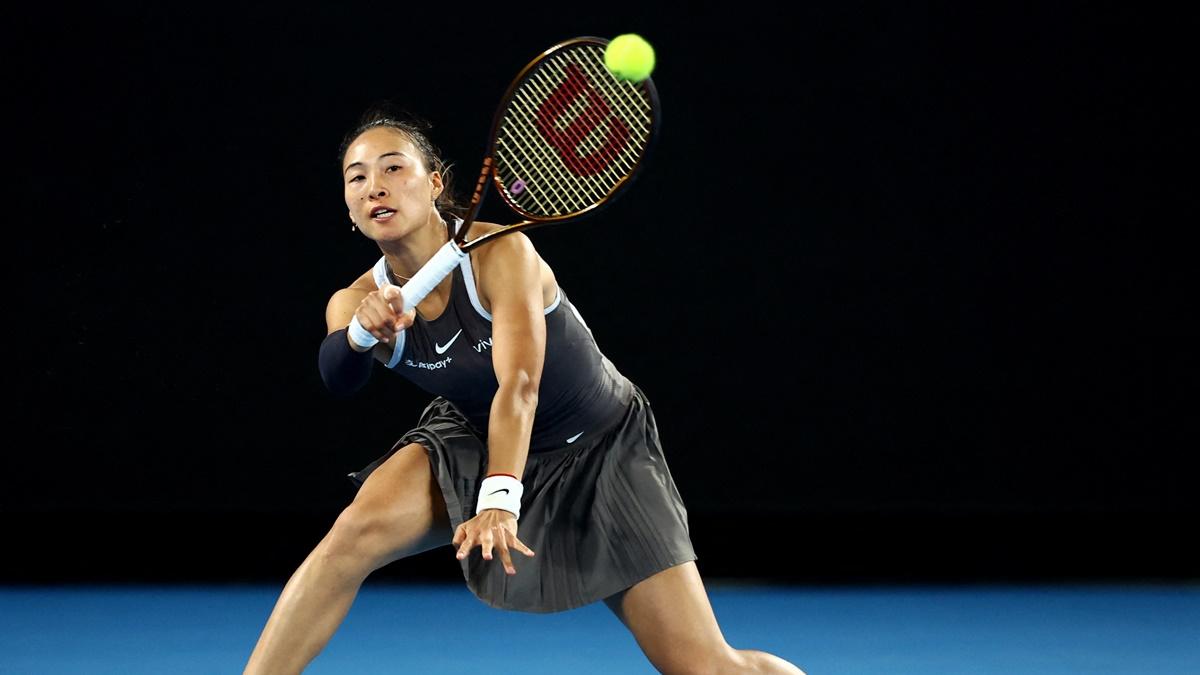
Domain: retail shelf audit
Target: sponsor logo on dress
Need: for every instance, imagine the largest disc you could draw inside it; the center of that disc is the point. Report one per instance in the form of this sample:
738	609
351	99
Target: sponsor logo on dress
442	349
429	366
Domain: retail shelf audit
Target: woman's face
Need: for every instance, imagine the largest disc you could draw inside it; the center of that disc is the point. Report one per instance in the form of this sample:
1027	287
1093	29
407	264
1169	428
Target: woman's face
388	190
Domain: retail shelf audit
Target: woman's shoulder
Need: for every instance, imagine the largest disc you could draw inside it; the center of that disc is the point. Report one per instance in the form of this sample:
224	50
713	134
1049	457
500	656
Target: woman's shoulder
494	261
504	247
480	228
358	288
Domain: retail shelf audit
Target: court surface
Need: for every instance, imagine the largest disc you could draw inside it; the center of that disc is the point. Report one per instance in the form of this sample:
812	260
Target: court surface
926	630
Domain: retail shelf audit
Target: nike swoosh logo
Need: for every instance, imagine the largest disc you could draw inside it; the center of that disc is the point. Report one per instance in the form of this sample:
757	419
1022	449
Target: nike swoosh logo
504	490
575	437
442	350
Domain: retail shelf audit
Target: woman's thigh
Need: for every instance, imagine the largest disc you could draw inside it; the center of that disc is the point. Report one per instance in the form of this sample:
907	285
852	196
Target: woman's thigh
400	507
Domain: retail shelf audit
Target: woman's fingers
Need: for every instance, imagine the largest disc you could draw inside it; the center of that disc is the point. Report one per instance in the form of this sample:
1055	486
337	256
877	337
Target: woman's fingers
506	558
462	539
466	547
382	314
510	542
381	324
405	320
376	316
395	301
493	540
520	546
486	541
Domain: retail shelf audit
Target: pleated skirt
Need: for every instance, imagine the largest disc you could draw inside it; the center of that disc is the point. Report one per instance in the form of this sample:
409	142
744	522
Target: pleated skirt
600	515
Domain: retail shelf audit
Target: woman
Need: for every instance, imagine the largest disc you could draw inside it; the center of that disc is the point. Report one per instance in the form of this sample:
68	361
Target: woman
531	421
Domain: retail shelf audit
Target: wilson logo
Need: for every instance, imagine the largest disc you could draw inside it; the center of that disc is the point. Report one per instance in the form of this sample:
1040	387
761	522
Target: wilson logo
568	137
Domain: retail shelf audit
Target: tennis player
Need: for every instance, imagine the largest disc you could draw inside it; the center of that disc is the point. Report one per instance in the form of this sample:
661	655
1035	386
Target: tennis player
530	425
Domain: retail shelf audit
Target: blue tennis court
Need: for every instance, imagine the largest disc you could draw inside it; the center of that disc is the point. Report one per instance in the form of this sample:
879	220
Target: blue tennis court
928	630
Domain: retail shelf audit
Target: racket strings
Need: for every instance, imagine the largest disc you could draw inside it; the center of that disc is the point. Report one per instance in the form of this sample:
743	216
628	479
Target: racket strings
524	158
560	192
572	133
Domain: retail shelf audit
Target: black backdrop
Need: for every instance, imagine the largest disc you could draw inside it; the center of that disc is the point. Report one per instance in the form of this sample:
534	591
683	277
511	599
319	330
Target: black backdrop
892	280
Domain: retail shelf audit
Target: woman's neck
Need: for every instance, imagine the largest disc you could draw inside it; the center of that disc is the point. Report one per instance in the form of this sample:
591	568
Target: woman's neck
408	255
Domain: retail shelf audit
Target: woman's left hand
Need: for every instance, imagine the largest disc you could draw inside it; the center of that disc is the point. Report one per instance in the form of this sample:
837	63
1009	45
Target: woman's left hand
492	528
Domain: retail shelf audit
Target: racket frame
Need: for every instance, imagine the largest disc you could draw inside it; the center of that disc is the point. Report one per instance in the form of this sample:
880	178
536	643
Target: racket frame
488	173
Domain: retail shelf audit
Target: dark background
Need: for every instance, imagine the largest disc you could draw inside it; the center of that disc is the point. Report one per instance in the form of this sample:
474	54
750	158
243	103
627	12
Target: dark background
898	281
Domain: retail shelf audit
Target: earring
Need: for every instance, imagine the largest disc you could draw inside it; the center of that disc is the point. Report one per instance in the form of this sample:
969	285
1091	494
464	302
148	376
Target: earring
352	227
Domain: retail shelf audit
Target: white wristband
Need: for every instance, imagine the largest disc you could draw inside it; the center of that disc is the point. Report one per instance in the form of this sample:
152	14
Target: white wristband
500	492
359	335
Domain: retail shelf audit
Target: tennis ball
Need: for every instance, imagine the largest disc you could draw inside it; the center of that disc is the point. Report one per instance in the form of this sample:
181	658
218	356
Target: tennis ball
629	57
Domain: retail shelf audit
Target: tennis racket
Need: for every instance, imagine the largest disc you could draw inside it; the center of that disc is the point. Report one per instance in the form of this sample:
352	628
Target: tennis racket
567	138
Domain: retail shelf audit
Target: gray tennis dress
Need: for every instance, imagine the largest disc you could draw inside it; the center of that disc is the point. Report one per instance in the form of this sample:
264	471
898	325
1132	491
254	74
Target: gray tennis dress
599	509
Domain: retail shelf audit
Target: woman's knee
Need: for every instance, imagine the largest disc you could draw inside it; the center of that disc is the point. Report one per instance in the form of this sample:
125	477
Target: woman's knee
362	533
721	659
716	660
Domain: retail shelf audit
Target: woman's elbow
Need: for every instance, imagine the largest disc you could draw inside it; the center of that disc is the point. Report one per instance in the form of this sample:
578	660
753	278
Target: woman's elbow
522	388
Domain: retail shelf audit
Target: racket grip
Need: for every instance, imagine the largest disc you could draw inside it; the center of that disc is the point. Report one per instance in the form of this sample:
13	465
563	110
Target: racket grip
431	274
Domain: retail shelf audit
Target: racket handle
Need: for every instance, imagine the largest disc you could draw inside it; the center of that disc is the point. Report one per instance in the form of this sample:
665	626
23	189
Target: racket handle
431	274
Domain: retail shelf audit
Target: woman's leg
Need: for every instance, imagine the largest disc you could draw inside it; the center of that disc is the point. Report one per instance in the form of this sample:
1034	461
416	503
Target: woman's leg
673	622
397	512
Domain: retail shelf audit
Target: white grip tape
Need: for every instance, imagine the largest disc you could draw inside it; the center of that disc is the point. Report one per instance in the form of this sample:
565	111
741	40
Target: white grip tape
359	335
431	274
500	492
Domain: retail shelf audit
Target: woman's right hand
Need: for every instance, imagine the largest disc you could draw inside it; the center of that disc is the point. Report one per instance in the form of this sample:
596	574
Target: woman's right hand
382	313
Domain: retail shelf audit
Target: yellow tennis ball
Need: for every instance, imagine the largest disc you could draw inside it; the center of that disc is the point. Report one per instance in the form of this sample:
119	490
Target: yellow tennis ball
629	57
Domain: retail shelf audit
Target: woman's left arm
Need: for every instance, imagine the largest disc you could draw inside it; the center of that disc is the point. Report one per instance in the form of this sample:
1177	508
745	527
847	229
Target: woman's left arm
511	280
511	277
